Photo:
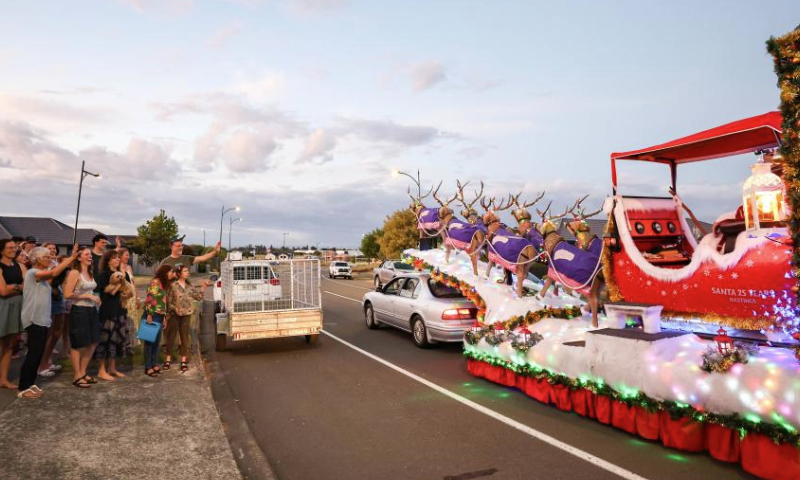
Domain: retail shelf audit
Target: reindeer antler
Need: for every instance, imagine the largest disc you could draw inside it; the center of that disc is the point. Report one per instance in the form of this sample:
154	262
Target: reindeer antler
478	196
580	213
543	213
487	206
556	217
429	192
530	204
413	198
445	203
505	206
460	193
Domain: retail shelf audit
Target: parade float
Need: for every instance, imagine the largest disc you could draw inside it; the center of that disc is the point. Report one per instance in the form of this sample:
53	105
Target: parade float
738	401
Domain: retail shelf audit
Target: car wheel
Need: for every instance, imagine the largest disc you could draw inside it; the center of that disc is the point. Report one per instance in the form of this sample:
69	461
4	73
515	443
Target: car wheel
420	333
369	317
377	282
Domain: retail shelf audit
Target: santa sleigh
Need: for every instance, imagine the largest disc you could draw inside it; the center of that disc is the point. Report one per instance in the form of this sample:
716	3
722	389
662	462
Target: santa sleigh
739	274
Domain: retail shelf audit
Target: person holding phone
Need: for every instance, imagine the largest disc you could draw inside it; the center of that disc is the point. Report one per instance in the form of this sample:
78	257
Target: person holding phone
155	311
182	296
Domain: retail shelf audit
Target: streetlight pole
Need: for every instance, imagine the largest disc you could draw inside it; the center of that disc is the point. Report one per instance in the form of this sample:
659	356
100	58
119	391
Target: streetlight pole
84	173
204	239
284	240
230	227
223	211
416	180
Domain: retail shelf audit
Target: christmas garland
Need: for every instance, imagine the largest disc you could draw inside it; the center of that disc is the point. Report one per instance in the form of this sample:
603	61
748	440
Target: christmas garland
779	432
714	361
785	51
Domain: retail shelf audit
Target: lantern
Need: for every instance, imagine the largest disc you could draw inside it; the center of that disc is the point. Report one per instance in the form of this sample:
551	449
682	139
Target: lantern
524	335
499	328
724	342
475	328
763	197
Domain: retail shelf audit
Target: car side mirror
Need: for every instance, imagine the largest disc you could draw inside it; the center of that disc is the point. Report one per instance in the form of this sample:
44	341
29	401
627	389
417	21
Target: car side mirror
214	278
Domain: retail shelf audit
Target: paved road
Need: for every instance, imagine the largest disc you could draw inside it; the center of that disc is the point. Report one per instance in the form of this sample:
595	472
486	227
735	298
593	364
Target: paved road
328	411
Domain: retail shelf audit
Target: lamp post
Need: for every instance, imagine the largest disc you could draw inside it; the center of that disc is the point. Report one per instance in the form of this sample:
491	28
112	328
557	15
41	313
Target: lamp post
223	211
230	227
204	239
284	240
84	173
416	180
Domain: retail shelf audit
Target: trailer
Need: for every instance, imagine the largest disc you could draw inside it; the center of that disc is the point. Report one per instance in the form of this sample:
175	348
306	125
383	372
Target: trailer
261	299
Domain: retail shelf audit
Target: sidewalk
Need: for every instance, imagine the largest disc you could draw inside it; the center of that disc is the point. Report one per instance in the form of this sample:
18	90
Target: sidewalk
137	427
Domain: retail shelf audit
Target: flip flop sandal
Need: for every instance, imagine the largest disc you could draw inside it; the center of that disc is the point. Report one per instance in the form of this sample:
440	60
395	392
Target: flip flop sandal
81	383
184	366
29	393
90	379
167	365
36	389
150	372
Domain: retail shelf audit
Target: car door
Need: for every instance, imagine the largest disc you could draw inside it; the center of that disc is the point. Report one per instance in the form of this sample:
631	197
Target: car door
387	272
384	307
406	301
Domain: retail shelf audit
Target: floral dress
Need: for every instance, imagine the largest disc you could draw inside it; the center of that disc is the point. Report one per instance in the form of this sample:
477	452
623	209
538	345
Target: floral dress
156	301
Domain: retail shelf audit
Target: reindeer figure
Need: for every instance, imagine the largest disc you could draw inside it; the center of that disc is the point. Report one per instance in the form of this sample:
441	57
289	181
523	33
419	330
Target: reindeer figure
427	219
584	238
469	213
523	217
458	234
572	267
511	251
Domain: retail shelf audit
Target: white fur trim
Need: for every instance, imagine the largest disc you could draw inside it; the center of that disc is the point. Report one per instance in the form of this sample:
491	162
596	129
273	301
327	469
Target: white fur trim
705	251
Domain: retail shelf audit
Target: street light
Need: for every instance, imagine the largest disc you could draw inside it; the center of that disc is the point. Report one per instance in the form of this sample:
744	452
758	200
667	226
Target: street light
397	172
204	239
284	239
84	173
221	216
230	227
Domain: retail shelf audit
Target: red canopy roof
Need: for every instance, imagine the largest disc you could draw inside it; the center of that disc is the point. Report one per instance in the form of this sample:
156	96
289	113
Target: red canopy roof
742	136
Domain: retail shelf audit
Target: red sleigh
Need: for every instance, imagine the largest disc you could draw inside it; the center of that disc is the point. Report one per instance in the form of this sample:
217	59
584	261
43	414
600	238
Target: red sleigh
740	273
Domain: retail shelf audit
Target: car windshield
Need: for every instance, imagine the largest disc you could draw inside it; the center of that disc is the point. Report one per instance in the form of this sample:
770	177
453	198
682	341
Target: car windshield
403	266
440	290
339	264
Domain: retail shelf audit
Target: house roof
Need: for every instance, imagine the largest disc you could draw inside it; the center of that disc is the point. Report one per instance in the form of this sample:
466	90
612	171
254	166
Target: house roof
45	230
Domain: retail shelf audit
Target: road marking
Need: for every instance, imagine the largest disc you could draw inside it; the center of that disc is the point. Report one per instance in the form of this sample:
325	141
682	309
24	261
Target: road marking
351	285
342	296
586	456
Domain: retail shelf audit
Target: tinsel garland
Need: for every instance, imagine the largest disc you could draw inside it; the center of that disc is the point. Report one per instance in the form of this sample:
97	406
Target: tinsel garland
778	432
785	51
713	361
523	347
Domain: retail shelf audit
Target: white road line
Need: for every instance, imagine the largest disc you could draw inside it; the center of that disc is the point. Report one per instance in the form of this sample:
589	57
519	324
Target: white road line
586	456
342	296
347	284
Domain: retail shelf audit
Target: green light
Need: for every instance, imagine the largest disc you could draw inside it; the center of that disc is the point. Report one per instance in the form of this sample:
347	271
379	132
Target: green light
752	417
678	458
466	384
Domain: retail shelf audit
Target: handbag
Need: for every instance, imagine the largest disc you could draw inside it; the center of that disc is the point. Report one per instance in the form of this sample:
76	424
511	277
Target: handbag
148	332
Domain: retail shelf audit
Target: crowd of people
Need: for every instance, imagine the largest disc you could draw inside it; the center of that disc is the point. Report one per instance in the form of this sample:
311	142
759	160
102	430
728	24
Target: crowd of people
86	300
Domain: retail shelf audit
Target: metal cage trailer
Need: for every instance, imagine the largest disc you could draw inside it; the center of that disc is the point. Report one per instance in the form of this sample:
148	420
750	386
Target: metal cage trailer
269	299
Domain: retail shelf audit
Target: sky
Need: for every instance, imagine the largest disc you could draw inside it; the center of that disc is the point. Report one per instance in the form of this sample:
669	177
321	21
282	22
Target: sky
298	110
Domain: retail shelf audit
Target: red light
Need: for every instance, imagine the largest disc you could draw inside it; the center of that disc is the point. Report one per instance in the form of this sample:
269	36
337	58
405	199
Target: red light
219	283
459	314
275	282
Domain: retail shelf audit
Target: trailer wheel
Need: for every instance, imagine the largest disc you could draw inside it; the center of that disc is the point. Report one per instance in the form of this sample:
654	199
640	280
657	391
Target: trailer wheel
312	339
222	342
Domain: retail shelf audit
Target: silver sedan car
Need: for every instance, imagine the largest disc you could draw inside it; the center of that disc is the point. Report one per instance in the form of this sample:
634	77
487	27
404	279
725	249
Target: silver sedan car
388	270
431	311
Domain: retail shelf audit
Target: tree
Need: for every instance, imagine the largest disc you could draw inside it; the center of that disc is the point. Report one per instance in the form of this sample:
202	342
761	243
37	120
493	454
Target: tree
369	243
154	238
399	233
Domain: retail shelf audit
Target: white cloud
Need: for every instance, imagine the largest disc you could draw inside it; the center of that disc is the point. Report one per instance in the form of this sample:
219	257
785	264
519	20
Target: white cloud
387	131
268	87
247	150
318	147
426	74
172	7
220	37
317	6
52	113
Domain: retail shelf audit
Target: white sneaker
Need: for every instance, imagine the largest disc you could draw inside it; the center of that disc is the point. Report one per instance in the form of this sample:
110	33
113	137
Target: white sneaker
56	368
47	373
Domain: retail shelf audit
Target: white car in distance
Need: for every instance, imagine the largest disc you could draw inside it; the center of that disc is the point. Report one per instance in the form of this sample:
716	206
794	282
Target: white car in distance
340	269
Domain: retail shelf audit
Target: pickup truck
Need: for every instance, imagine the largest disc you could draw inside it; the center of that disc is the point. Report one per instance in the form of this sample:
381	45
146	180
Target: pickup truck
340	269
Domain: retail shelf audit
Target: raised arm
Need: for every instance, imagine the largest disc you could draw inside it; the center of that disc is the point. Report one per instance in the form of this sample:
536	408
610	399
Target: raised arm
208	256
54	272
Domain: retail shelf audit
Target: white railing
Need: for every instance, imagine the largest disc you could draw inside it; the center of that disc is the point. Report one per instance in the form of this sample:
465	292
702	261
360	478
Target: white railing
271	285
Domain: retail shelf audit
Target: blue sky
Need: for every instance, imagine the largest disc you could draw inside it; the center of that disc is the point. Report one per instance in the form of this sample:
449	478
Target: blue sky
298	109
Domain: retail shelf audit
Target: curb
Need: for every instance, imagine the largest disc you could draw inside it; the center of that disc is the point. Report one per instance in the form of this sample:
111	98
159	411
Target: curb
252	463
